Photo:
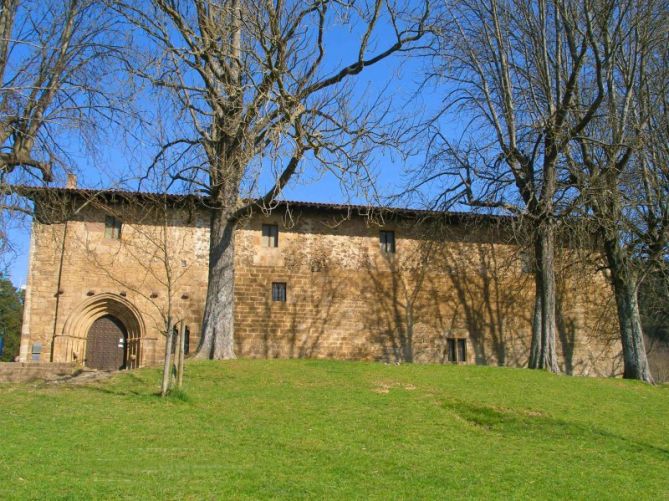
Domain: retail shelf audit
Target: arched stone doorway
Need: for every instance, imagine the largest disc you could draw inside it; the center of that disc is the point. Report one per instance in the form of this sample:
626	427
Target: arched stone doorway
106	344
123	320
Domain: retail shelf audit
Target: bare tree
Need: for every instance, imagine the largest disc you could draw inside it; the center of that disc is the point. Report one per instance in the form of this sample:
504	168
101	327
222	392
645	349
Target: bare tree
57	73
619	162
513	68
258	95
54	56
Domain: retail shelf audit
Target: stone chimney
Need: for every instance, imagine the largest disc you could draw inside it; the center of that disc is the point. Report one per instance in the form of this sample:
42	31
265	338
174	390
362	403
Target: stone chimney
71	181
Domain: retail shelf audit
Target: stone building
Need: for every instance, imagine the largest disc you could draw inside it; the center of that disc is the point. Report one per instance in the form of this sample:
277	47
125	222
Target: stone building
108	268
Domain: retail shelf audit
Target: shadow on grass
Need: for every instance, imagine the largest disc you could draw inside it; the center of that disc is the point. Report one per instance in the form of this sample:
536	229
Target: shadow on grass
534	424
132	386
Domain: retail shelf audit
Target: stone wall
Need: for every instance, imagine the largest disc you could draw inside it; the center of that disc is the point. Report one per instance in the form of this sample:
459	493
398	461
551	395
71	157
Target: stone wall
16	372
345	297
348	299
71	284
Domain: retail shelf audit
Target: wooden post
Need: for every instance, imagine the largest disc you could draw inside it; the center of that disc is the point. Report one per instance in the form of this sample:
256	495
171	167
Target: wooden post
182	355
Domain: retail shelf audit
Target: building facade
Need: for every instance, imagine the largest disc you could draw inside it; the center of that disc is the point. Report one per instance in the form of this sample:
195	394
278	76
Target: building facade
109	270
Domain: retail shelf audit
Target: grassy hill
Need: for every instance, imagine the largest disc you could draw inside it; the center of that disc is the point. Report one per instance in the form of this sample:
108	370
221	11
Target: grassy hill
325	429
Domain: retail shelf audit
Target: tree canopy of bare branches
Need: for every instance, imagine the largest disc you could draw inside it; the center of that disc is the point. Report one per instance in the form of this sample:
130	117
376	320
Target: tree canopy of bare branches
53	56
619	162
528	79
513	70
56	76
560	101
258	95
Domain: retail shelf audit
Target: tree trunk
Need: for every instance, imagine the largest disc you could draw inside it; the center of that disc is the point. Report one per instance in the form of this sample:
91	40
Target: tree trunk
217	339
631	334
165	386
535	348
546	304
548	299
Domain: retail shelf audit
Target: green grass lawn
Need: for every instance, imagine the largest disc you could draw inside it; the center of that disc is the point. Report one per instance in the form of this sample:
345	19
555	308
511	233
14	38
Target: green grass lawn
325	429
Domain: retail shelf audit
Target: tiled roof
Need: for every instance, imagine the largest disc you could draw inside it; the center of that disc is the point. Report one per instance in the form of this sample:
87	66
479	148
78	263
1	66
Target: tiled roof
113	195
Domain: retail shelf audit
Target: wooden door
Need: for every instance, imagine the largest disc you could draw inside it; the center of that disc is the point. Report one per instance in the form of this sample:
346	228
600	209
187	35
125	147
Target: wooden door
106	344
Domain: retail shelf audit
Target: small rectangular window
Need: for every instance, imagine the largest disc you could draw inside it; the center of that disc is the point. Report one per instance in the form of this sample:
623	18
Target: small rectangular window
187	340
451	350
270	235
36	352
387	241
112	228
279	291
462	350
457	350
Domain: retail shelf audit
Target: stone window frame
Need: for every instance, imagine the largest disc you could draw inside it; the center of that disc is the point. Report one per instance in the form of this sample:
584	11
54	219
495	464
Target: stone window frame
387	244
279	292
113	227
270	235
456	350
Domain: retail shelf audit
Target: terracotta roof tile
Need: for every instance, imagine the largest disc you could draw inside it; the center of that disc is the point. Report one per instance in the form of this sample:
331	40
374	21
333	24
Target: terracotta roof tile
34	192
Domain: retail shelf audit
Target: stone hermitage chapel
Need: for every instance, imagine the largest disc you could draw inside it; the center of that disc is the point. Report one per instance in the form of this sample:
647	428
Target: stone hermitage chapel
312	280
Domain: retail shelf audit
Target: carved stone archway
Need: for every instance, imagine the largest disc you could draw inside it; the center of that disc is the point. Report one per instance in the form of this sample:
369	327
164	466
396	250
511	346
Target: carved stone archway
70	345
